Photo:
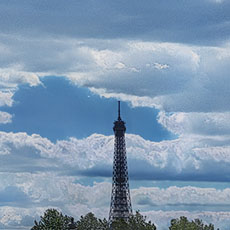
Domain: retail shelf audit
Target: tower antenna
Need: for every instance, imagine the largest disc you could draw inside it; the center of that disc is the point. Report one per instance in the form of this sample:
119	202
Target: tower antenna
119	110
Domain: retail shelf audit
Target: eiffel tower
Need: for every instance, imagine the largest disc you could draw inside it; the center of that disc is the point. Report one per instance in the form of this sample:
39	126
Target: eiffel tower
120	207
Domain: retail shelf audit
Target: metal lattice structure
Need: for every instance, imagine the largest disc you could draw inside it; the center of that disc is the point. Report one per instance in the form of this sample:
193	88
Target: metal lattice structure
120	207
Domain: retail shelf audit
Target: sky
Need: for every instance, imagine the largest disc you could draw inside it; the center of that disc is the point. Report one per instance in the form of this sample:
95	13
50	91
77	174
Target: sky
63	67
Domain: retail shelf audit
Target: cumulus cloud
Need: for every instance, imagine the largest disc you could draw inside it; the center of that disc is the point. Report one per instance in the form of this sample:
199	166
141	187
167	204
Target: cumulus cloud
170	76
185	158
62	164
138	71
33	152
12	77
75	199
31	192
6	98
196	123
18	217
5	118
191	83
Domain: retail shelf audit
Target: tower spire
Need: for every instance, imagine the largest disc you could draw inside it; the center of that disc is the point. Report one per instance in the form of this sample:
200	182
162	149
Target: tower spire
119	110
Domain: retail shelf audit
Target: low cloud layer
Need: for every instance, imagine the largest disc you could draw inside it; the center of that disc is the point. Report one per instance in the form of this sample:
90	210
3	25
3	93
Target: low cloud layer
186	158
75	199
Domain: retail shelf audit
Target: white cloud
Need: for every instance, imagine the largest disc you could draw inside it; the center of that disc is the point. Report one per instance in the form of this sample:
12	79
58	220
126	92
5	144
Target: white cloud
75	199
189	157
196	123
5	118
12	77
62	193
191	84
19	218
21	140
6	98
217	1
169	158
80	154
160	66
137	77
191	80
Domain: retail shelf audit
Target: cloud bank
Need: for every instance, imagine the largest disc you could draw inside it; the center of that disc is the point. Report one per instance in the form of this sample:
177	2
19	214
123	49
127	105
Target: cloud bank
180	159
76	199
197	22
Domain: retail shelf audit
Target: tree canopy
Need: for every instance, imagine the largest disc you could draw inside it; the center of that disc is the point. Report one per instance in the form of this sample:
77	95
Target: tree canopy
52	220
183	223
137	222
90	222
55	220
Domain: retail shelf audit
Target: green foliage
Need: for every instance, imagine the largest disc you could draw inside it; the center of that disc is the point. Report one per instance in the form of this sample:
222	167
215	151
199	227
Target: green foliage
184	224
119	224
52	220
90	222
137	222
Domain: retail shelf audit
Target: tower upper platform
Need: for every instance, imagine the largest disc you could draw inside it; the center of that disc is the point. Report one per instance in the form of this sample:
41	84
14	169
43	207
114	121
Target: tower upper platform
119	125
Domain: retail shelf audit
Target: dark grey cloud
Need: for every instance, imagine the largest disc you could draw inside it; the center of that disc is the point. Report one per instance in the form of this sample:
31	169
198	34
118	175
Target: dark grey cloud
27	221
209	171
143	170
195	21
26	159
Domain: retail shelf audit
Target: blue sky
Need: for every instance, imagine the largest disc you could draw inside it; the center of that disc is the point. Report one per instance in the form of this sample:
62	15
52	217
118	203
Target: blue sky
57	109
63	67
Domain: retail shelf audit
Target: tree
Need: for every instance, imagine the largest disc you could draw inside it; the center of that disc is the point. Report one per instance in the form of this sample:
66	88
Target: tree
137	222
119	224
90	222
52	220
183	223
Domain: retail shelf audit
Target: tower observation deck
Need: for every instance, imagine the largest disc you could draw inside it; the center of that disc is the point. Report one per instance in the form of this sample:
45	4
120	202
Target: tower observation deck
120	207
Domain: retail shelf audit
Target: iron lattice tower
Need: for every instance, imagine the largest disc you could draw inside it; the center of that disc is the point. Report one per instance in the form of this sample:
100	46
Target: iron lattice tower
120	207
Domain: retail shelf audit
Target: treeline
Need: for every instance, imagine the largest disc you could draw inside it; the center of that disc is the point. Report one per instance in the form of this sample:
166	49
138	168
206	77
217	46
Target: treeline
55	220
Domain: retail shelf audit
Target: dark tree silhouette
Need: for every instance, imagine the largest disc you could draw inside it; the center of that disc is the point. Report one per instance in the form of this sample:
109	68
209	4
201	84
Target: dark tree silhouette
183	223
55	220
52	220
90	222
137	222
